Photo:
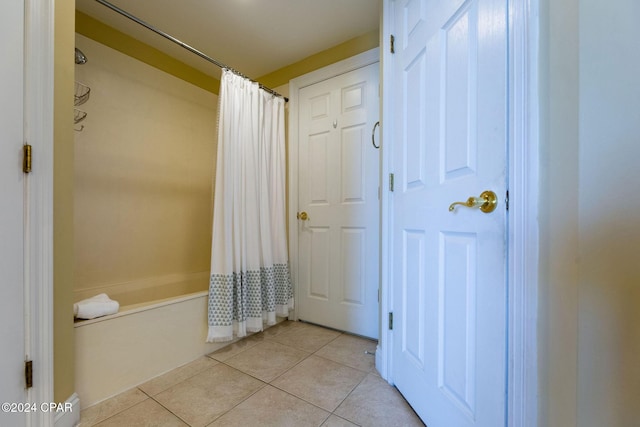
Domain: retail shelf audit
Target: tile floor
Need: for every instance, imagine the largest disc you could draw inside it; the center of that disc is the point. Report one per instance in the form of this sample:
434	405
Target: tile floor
292	374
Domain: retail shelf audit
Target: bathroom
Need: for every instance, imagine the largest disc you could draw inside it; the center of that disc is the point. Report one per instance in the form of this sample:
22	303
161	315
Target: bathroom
145	155
580	303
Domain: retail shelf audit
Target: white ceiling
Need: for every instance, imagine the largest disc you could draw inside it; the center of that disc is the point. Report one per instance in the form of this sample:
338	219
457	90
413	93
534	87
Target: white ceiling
255	37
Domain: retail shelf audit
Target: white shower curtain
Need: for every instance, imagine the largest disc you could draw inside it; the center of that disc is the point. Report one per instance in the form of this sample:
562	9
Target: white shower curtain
250	281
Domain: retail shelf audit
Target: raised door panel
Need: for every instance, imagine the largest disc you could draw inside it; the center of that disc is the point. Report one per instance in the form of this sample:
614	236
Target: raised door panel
458	86
457	319
317	161
353	165
352	265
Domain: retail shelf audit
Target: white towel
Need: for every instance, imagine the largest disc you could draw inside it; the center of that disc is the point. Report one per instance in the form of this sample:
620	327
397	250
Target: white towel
90	308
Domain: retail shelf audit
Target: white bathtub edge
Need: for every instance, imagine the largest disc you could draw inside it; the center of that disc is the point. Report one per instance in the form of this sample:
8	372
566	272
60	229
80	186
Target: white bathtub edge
137	308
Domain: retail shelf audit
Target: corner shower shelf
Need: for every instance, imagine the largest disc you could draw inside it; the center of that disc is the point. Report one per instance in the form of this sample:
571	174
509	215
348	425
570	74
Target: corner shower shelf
81	94
78	116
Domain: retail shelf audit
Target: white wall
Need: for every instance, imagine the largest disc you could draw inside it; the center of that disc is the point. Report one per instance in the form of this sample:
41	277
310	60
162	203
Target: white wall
558	296
589	215
609	294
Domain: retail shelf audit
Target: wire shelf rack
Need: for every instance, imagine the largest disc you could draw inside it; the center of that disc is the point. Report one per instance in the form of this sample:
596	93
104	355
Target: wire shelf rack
82	93
78	116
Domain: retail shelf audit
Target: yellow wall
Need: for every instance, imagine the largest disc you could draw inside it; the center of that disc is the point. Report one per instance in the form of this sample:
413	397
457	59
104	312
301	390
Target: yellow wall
314	62
63	334
127	45
143	180
95	30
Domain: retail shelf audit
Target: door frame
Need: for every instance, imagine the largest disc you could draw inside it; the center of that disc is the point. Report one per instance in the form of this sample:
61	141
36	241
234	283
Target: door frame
523	184
295	85
38	253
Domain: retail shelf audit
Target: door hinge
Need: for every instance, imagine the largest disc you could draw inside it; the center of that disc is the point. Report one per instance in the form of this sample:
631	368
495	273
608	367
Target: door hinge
506	200
390	182
392	43
391	320
26	163
28	373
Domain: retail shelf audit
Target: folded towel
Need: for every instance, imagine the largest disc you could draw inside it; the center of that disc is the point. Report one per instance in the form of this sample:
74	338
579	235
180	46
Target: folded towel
90	308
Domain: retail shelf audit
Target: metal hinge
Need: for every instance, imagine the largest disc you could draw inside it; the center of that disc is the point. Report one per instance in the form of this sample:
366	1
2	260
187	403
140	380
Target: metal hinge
26	162
392	42
390	182
28	373
390	320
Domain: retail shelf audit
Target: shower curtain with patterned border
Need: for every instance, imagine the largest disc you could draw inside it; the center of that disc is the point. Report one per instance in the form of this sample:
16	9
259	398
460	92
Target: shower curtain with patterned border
250	282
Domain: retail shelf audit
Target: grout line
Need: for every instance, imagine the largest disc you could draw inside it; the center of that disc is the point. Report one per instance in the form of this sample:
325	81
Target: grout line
303	399
290	368
342	363
115	413
170	411
237	404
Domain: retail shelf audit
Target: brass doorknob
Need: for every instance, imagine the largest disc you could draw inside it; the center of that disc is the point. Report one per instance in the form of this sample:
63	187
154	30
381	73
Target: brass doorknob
487	202
303	216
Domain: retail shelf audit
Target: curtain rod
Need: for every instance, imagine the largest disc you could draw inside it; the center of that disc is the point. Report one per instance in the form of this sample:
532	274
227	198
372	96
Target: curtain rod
184	45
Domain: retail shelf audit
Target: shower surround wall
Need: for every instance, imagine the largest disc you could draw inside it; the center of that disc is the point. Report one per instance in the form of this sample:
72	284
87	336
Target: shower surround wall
144	168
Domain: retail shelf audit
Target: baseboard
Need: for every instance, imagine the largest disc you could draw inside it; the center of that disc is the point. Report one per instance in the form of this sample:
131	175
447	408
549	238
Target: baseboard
69	418
378	361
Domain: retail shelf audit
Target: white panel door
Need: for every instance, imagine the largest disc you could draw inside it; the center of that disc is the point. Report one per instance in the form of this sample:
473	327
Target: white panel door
12	340
338	189
449	267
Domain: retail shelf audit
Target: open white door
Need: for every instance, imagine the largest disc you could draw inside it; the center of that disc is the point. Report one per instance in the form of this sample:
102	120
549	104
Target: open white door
12	214
449	293
338	175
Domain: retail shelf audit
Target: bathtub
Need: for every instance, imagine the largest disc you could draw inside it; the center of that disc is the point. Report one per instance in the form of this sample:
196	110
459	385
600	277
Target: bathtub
115	353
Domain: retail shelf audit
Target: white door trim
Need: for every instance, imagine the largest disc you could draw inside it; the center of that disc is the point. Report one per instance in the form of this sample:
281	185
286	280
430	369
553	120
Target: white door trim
361	60
38	131
523	244
522	403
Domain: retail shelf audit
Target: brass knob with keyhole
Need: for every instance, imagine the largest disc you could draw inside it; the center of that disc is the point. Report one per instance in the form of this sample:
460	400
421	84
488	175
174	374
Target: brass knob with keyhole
302	216
487	202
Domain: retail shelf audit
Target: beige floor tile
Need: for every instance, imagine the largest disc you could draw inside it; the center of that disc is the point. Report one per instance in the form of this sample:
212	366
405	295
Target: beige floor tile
267	360
281	327
375	402
237	347
202	398
350	350
335	421
147	413
177	375
306	337
103	410
272	407
248	342
319	381
339	377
